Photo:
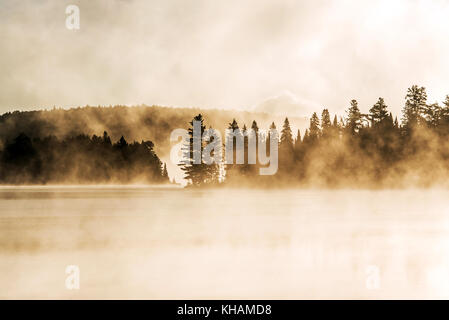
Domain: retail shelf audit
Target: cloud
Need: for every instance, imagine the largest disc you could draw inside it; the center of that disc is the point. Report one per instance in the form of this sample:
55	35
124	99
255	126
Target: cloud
287	104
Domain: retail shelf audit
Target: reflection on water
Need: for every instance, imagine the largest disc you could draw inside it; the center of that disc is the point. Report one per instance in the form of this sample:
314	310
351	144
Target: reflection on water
139	242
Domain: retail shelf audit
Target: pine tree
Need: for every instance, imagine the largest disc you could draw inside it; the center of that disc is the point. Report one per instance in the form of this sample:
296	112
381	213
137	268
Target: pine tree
326	124
165	172
354	119
268	138
122	143
231	168
335	122
378	113
286	148
196	174
234	127
415	106
255	128
314	128
286	136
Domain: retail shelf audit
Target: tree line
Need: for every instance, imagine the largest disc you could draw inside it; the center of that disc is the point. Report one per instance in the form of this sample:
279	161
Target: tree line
79	160
371	149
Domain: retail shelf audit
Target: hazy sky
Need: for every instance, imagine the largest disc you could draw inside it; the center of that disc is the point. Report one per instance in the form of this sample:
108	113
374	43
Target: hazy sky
226	54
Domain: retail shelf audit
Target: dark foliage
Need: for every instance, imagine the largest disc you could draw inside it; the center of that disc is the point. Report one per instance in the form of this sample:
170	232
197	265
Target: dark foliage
79	159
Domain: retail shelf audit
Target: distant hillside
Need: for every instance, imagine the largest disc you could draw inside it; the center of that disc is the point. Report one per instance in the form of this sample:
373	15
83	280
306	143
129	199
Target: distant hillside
135	123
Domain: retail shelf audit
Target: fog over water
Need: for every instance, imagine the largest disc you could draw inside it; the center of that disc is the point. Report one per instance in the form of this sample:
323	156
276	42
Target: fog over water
168	242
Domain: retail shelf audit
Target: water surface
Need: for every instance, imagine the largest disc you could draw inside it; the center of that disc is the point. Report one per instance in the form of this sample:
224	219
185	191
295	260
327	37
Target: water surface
170	243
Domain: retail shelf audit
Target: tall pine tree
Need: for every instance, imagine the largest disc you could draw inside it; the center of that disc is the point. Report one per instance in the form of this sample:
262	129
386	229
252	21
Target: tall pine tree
378	113
326	124
415	107
354	118
195	173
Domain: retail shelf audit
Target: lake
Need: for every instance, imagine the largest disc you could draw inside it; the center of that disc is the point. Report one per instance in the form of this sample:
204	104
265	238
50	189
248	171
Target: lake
141	242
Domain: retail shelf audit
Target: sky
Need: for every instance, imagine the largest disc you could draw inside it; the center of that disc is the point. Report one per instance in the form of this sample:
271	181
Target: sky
277	55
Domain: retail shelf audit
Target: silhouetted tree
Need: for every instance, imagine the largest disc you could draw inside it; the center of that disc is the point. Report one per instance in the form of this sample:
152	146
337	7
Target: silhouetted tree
195	173
354	118
234	134
286	136
165	171
378	113
415	107
314	128
326	125
286	148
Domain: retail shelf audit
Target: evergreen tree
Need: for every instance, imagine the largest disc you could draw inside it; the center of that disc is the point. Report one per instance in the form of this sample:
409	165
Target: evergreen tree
286	136
354	119
326	124
415	106
233	125
268	138
122	143
165	171
195	173
314	128
378	113
286	148
235	132
335	122
255	128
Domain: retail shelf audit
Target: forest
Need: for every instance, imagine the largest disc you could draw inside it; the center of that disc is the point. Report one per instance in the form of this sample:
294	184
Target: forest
372	150
357	150
79	160
137	123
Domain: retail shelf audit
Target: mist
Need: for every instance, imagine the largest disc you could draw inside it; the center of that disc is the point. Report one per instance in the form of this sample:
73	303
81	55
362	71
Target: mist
232	54
354	208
